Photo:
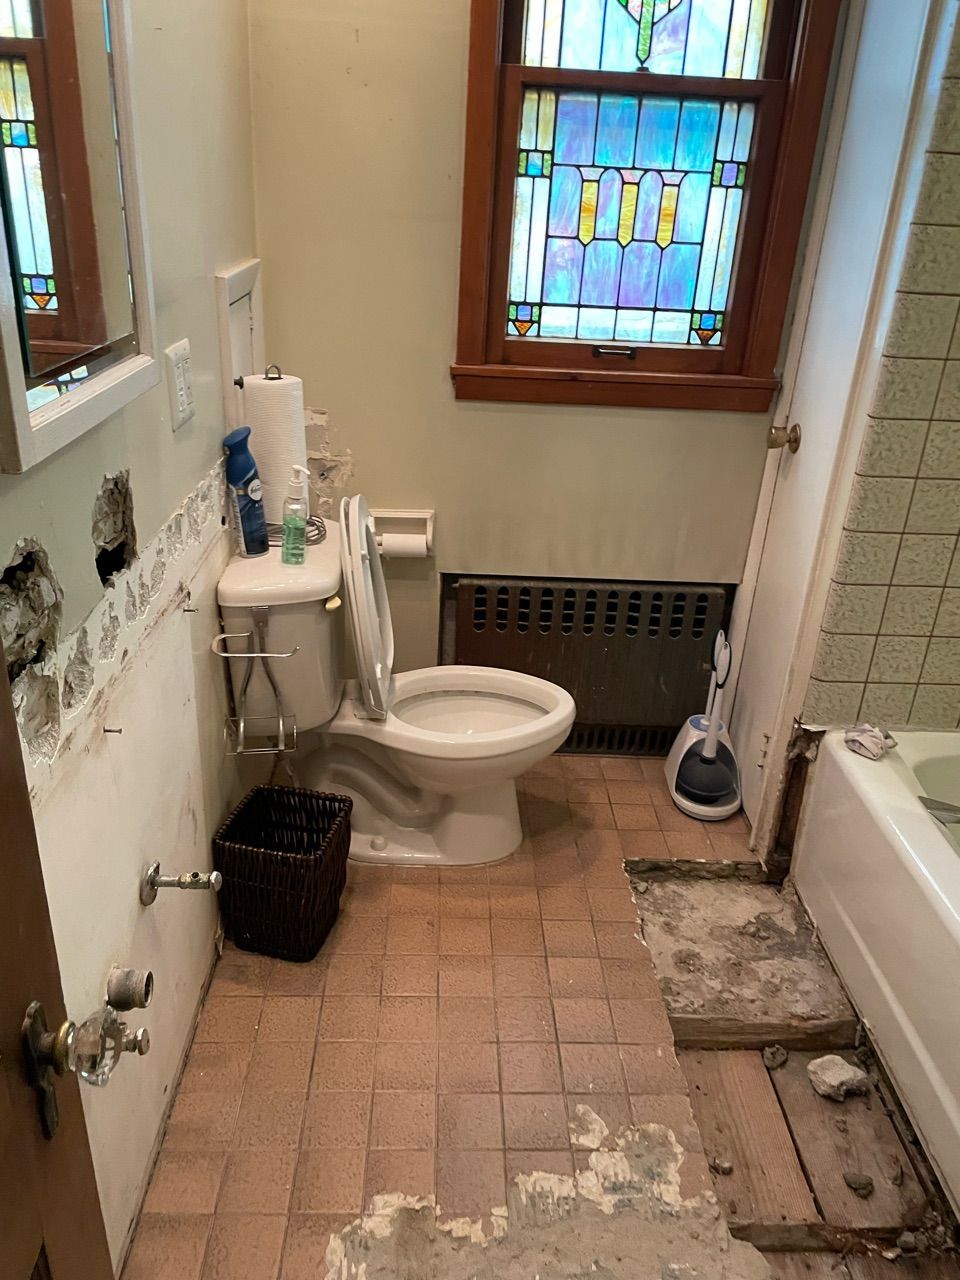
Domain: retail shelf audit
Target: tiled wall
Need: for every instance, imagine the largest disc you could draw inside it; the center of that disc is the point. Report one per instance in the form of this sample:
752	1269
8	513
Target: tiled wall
889	648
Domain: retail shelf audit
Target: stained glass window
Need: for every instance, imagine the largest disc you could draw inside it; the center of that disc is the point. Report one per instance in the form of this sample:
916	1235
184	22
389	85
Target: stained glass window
28	208
670	37
16	19
626	215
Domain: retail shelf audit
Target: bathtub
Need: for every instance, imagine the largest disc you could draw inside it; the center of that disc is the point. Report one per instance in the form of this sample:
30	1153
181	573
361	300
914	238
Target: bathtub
881	880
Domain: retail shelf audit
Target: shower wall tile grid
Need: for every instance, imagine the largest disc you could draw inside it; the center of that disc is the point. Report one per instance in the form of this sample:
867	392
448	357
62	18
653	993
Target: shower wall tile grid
889	647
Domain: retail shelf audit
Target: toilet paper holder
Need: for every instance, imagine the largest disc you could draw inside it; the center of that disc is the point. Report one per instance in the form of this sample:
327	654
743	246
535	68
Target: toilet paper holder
391	523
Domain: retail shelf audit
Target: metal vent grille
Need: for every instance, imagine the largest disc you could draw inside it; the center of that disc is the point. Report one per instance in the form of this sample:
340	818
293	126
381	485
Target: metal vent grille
634	655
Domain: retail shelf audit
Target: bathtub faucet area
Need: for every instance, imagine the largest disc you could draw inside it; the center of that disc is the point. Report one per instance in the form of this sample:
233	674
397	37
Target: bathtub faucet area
942	810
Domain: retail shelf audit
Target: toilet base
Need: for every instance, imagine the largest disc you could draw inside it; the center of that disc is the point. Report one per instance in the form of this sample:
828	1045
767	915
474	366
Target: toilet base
395	823
476	827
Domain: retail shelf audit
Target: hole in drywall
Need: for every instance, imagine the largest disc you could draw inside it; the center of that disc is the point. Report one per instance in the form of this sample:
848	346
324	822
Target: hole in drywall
31	606
114	532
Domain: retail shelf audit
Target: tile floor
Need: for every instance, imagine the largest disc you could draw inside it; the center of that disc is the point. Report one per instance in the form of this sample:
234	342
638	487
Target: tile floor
439	1043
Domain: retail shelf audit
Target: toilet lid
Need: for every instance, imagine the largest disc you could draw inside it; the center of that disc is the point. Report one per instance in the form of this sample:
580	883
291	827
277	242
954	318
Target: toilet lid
368	603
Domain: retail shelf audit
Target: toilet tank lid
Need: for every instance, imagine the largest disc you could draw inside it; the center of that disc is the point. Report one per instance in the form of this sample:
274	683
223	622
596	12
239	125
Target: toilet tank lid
267	580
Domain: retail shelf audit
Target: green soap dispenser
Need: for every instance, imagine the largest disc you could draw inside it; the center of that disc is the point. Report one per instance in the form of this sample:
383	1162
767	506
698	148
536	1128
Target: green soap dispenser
296	510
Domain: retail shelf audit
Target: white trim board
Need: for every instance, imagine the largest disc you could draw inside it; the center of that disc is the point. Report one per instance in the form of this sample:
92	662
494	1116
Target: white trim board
239	286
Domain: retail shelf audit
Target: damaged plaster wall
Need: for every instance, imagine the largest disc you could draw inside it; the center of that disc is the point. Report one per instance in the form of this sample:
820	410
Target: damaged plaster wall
153	788
135	660
31	609
88	659
331	469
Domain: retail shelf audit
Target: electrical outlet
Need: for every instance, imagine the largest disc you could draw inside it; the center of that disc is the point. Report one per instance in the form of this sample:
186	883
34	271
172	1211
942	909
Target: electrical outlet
180	383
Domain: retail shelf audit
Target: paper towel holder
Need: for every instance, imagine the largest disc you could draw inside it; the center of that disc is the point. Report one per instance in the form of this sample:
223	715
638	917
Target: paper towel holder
412	523
276	376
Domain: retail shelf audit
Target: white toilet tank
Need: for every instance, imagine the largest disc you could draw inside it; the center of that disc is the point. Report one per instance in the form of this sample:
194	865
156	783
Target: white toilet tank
303	614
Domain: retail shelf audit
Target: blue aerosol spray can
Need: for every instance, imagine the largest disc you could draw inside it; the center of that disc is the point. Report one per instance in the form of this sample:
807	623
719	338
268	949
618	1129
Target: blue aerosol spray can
246	495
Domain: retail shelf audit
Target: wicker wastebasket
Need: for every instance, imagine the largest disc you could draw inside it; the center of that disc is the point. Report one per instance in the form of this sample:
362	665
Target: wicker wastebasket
282	853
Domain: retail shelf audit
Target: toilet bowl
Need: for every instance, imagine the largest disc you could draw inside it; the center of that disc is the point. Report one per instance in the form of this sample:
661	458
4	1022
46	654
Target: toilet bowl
430	756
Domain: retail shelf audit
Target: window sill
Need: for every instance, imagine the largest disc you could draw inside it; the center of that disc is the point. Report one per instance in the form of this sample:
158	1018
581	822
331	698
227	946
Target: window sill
731	393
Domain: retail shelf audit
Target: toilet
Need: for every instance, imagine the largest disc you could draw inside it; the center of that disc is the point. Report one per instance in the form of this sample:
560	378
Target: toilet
429	757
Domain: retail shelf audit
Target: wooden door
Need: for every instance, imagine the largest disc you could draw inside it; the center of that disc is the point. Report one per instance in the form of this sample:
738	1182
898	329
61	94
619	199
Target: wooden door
833	361
51	1227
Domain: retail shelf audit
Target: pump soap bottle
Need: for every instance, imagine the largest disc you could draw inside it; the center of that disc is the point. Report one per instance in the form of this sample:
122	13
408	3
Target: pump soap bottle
296	510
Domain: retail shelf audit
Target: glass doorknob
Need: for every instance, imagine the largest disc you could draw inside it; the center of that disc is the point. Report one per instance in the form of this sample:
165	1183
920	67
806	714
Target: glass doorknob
99	1042
92	1050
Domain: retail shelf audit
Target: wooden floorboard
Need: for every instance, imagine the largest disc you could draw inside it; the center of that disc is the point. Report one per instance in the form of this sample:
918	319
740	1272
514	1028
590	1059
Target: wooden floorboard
695	1031
925	1267
750	870
742	1125
854	1136
809	1266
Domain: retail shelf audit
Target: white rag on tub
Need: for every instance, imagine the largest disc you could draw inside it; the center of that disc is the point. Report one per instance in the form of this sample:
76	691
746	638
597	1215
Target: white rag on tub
867	740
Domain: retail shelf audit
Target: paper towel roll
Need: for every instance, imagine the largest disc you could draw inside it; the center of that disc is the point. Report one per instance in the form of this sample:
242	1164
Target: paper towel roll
403	546
273	409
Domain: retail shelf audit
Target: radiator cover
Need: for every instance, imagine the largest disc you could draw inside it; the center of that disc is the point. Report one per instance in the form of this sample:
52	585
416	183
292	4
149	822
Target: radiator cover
634	655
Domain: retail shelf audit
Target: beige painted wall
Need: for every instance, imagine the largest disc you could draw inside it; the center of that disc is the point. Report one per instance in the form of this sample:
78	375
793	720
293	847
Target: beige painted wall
194	124
358	113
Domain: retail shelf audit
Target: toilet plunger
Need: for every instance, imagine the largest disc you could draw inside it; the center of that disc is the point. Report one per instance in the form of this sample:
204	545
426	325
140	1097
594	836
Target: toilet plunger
702	777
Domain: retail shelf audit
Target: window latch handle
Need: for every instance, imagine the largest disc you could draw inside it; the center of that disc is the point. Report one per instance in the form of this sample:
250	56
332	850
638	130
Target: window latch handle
629	352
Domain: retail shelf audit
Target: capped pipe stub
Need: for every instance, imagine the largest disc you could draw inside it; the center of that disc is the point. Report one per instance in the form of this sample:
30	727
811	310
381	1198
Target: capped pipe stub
129	988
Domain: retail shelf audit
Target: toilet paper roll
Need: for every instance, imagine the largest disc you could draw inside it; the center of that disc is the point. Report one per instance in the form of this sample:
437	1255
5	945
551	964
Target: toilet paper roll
273	409
403	546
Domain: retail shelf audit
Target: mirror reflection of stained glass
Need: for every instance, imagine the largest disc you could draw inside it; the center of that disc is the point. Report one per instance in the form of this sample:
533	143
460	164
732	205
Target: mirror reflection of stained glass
61	192
627	207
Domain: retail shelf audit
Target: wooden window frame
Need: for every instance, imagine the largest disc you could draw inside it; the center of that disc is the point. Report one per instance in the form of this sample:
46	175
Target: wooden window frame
739	376
77	330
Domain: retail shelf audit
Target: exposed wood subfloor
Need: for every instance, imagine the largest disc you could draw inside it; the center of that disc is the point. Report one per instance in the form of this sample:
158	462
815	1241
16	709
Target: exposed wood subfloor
831	1266
787	1150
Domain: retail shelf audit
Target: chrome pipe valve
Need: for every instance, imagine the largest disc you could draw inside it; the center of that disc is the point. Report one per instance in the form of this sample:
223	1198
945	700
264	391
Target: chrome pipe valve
129	988
136	1041
153	881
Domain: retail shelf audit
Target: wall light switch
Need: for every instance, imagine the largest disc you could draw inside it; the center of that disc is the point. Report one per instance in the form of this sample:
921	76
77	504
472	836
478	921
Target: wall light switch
180	383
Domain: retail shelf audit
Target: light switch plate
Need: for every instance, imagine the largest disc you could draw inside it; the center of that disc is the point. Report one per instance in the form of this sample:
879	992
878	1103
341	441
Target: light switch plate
180	383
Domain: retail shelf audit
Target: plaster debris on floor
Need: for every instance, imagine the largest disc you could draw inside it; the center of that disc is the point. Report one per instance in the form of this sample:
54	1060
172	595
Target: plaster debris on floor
738	951
620	1216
